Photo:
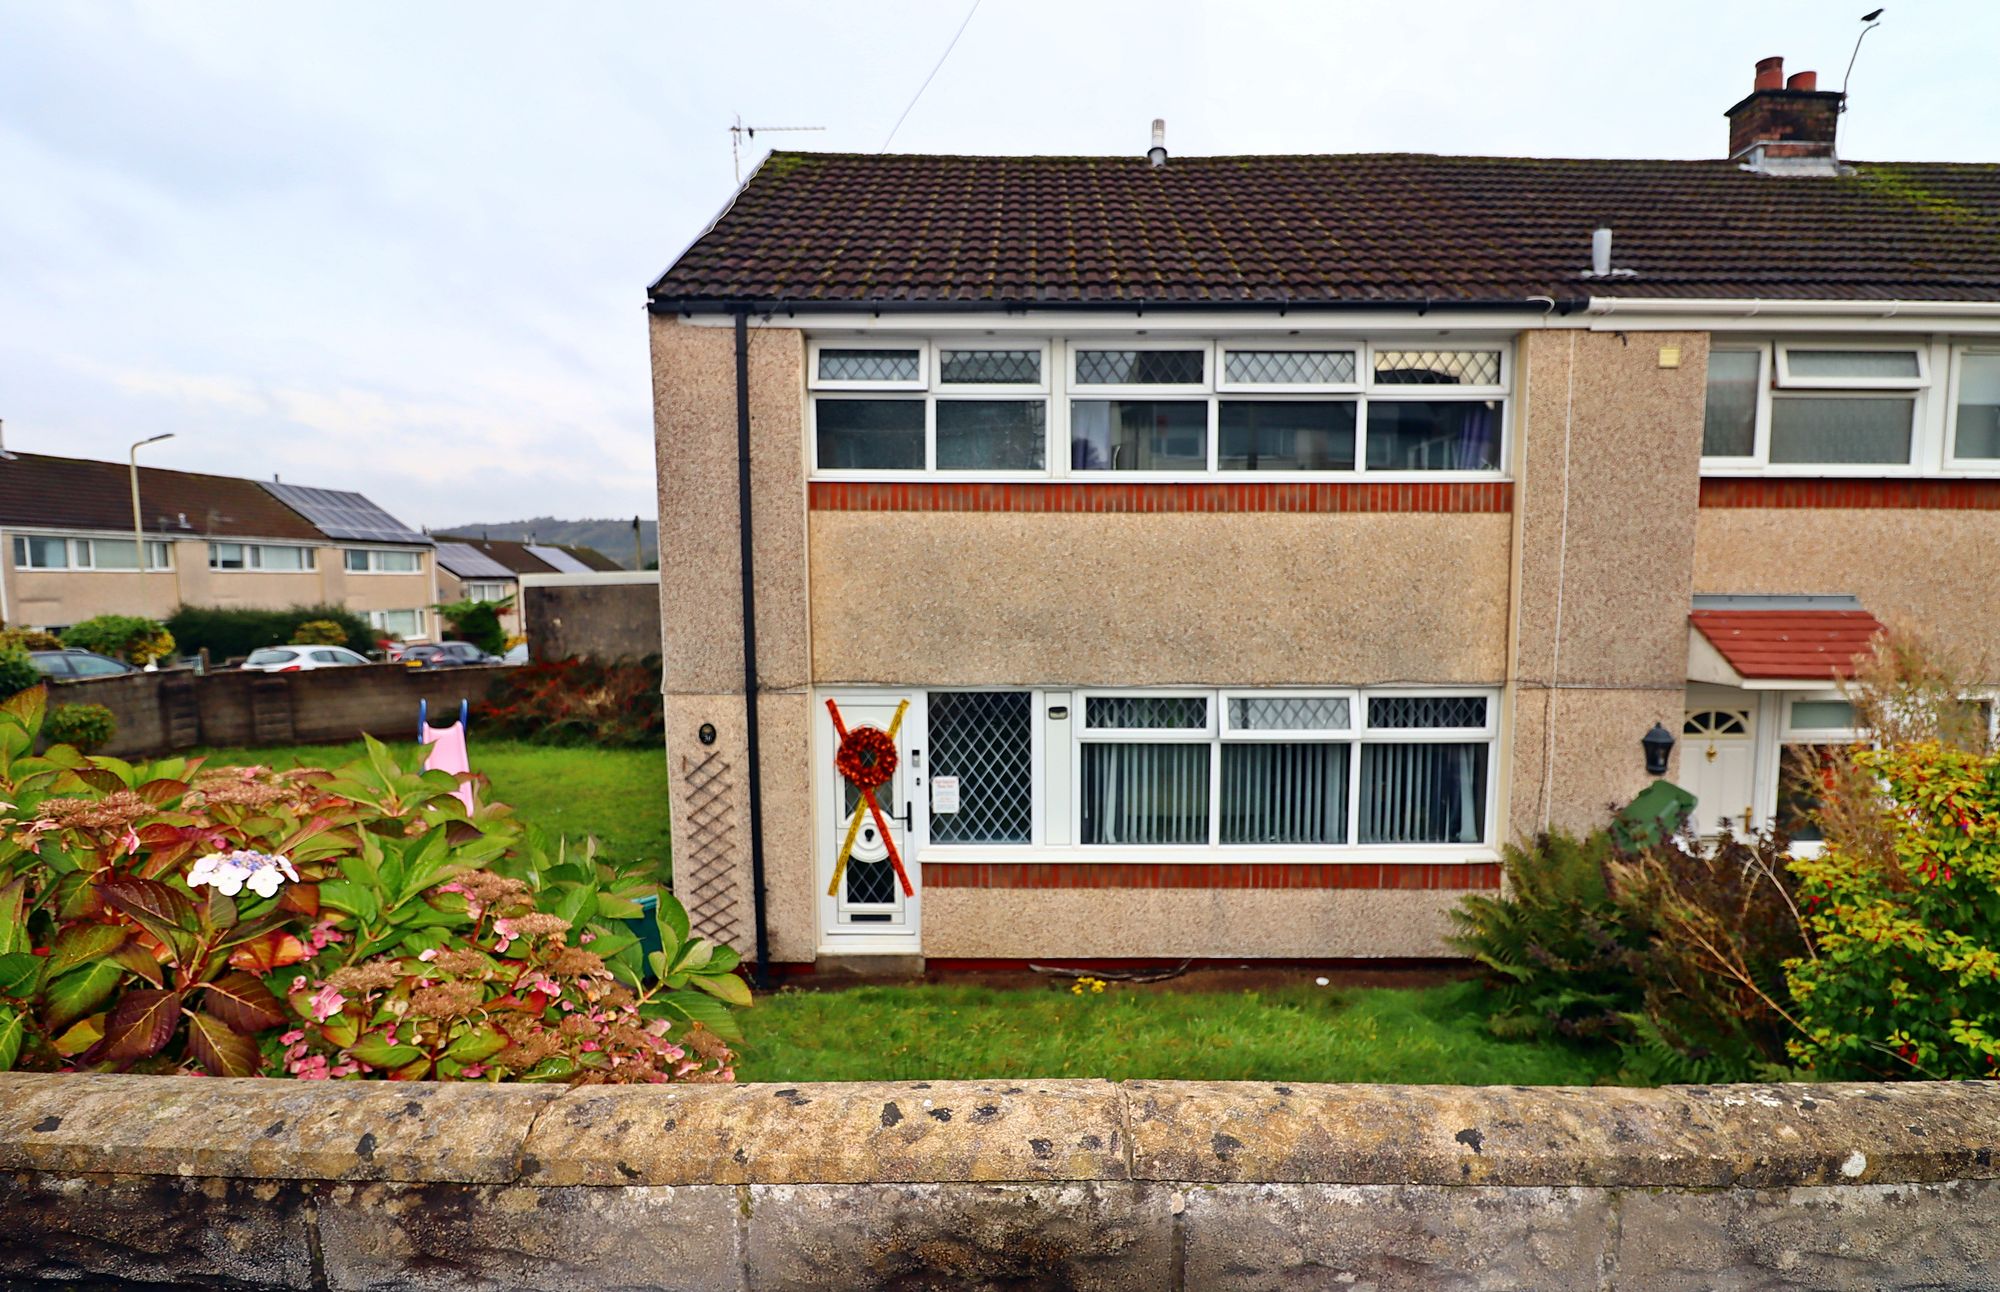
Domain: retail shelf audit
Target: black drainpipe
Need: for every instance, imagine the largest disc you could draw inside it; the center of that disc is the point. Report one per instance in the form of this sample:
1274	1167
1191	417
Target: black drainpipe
763	974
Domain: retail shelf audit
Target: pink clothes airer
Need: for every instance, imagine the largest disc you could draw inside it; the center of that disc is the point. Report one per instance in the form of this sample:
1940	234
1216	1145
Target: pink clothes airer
448	752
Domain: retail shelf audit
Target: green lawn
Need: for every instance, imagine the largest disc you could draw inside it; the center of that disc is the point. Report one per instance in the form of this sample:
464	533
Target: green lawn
1307	1033
619	795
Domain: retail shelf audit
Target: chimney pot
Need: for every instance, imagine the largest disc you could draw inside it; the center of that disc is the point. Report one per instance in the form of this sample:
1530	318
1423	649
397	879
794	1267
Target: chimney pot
1770	74
1785	127
1803	81
1157	154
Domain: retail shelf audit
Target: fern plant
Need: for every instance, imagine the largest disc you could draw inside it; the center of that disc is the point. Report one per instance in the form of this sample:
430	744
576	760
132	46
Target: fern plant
1556	943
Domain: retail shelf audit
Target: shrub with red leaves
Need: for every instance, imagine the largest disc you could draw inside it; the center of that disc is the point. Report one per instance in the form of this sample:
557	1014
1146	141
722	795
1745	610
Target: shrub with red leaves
578	702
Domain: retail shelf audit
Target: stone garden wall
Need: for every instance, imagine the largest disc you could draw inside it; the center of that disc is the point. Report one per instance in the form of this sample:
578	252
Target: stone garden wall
1015	1185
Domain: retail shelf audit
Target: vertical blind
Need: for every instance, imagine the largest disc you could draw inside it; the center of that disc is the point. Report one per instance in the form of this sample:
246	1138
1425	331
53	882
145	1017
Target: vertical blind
1422	793
1145	793
1284	793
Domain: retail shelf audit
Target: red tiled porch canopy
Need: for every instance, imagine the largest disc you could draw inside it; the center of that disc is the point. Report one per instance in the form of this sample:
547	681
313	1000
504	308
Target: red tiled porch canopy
1775	644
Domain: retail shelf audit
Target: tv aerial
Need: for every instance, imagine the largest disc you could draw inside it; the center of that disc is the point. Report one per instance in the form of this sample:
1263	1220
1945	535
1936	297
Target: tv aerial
740	132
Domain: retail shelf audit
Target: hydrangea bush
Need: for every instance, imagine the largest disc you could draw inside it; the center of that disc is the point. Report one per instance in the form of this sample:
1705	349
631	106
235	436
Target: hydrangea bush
173	918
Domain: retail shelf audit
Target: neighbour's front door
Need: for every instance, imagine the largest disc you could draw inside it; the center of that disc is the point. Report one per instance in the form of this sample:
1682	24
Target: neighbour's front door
865	908
1718	767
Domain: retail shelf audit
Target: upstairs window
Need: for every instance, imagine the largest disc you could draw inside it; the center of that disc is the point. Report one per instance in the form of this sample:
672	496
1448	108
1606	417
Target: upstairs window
376	560
34	552
272	557
902	408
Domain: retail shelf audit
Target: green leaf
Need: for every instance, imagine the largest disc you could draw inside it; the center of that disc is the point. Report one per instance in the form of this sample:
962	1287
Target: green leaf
14	916
479	1043
80	943
377	1052
13	1029
221	1049
80	992
726	987
686	1008
346	895
20	971
81	1037
26	708
672	917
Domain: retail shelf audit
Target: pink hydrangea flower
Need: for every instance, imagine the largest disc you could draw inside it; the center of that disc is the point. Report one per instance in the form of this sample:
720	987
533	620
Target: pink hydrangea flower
327	1002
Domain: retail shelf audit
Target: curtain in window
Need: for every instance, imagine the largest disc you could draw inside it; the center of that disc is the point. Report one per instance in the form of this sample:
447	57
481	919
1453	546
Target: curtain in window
1145	793
1423	793
1284	793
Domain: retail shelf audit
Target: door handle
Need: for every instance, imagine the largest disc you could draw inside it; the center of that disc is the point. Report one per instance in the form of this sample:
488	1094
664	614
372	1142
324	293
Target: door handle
904	816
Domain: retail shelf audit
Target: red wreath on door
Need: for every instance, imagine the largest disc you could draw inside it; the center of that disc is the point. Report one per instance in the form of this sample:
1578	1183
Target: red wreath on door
866	759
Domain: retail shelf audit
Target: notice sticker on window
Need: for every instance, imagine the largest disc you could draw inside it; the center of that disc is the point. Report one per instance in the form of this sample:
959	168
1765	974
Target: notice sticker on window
944	795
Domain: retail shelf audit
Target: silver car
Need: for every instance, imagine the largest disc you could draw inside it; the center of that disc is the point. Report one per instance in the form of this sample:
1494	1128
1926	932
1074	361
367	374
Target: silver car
294	659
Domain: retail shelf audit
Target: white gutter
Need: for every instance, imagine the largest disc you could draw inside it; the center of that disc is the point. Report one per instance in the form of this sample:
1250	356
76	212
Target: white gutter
1737	314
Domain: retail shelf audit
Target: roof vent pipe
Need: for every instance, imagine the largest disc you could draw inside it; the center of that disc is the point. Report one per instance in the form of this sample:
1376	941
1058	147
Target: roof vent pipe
1157	154
1600	252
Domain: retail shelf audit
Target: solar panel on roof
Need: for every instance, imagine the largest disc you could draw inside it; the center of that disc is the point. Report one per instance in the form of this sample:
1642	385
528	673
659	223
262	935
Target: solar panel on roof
559	560
468	562
340	513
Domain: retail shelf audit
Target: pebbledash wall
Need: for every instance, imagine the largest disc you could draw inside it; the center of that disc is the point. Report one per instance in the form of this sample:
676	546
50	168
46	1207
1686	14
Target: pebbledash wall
1345	584
112	1181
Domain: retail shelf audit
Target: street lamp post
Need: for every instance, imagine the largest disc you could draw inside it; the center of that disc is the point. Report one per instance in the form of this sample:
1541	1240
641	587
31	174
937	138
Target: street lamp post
138	521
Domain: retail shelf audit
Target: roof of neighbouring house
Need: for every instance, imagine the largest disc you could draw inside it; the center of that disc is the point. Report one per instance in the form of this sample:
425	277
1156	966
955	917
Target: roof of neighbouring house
516	558
1788	644
78	493
829	229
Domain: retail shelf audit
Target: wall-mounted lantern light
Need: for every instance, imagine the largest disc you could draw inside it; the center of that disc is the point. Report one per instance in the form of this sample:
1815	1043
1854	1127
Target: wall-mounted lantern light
1658	743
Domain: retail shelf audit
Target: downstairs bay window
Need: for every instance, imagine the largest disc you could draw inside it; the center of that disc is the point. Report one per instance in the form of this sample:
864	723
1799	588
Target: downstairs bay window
1199	772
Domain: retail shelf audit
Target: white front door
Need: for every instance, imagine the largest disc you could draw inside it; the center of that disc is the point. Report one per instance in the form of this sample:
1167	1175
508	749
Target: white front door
864	908
1719	767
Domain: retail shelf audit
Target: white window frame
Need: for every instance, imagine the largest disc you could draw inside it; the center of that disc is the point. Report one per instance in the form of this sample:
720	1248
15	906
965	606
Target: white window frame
1952	460
1787	380
377	620
1302	735
1441	345
922	349
372	563
990	389
1289	345
80	553
475	588
253	557
1760	416
1073	355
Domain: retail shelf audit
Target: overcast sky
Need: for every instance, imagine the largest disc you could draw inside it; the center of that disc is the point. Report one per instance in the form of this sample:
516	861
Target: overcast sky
402	247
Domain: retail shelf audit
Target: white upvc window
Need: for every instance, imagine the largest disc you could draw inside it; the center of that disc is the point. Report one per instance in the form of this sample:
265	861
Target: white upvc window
383	560
405	624
272	558
487	592
1890	406
1122	408
48	552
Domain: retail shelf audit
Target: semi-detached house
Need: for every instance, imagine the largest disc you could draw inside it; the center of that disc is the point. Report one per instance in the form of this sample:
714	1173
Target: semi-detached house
1242	549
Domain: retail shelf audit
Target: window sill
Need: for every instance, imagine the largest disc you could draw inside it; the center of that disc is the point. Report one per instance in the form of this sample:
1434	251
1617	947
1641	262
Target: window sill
1260	854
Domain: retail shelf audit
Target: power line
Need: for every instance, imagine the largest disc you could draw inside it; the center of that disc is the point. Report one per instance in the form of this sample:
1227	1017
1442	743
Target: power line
927	80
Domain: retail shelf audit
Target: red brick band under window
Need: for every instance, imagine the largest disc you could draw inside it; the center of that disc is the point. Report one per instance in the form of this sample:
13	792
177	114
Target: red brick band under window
1108	496
1934	495
1240	874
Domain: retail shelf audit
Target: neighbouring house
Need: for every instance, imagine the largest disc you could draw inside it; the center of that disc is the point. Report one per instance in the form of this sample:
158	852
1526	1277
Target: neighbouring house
210	540
490	569
1251	546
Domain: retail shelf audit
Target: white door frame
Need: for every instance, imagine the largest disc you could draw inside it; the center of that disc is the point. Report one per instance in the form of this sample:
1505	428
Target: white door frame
837	933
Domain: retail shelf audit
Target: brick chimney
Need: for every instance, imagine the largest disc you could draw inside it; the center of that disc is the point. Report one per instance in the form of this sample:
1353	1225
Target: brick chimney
1785	127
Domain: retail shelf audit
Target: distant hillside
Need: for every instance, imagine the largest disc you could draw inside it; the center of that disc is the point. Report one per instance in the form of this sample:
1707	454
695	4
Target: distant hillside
611	537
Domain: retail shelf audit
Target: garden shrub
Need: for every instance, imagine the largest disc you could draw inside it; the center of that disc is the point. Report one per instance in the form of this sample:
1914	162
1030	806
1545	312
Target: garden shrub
319	632
30	639
132	638
89	727
578	702
171	918
17	670
1722	922
477	622
1902	976
233	632
1557	944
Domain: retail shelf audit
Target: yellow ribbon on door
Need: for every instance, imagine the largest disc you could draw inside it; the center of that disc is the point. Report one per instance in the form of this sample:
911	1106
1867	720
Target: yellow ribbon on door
862	806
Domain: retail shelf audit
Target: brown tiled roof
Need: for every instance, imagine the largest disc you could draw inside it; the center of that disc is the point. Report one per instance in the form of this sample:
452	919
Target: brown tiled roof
832	228
516	556
1789	644
77	493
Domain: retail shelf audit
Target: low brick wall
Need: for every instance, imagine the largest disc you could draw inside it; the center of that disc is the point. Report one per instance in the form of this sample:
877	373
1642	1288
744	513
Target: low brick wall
1015	1185
161	712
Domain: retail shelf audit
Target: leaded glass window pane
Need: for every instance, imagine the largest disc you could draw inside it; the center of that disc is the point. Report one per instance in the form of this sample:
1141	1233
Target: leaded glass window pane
1433	435
1145	794
986	739
1289	713
1437	367
870	365
1139	367
1431	793
1284	793
1729	421
870	434
1835	430
990	367
1410	711
1146	712
1138	435
1867	365
1979	406
871	883
1289	367
991	434
1288	435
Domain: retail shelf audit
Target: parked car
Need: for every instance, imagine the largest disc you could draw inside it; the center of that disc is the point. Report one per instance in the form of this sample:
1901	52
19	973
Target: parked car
446	655
295	659
77	662
516	654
